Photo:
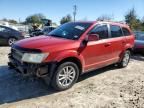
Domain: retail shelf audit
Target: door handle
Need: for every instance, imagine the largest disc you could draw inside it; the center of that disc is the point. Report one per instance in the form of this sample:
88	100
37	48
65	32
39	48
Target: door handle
107	44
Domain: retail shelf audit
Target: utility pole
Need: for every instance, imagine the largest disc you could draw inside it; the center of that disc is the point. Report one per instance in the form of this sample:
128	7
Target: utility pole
19	20
75	12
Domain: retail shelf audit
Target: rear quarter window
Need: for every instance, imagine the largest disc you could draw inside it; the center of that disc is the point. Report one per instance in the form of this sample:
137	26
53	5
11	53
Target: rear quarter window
126	32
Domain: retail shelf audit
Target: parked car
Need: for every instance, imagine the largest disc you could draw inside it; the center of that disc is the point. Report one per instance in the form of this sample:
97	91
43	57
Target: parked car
8	36
45	31
139	42
36	33
71	50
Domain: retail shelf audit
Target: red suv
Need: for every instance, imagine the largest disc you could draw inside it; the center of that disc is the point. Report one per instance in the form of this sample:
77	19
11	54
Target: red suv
72	49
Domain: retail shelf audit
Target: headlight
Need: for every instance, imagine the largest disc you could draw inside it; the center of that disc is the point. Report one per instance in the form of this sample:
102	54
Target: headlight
34	58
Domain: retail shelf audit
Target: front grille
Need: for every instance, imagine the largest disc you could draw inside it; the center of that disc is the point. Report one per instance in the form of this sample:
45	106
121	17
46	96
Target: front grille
16	54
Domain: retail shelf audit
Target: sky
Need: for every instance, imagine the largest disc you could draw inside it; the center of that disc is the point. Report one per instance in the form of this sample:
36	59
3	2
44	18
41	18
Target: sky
56	9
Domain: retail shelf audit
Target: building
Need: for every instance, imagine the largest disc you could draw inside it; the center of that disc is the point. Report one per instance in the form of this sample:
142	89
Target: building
4	23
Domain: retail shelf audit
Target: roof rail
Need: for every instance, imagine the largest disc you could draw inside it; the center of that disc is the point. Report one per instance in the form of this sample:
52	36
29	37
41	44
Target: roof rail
121	22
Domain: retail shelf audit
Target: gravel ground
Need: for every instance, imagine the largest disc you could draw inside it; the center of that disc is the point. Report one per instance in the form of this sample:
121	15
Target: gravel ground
105	88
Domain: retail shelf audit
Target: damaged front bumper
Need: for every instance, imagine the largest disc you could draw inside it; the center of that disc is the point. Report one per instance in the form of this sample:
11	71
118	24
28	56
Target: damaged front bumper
27	69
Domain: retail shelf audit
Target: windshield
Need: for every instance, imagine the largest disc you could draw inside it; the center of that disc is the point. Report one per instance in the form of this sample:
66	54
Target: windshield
140	36
71	30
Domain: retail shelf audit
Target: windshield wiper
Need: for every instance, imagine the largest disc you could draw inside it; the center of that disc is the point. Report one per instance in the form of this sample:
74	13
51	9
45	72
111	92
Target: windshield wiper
54	35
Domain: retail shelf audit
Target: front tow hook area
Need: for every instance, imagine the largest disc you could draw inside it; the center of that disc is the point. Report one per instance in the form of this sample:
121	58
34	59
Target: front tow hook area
42	71
18	69
39	71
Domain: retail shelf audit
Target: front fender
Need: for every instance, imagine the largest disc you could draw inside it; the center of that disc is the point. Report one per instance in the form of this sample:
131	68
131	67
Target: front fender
68	54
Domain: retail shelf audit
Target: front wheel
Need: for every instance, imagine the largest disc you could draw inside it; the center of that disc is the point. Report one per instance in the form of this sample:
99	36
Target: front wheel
65	76
125	59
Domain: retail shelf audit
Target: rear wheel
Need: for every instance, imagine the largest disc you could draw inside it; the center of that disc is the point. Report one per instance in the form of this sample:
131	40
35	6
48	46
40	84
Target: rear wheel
125	60
65	76
11	41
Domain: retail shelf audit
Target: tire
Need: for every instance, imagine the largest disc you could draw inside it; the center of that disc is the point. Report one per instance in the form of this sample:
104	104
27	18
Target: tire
65	77
125	59
11	41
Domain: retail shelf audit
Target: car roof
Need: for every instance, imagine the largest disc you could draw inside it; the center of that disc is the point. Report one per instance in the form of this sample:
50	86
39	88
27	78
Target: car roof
7	27
122	24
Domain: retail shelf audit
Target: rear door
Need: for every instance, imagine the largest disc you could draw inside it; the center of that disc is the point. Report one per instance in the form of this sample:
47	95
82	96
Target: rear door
118	41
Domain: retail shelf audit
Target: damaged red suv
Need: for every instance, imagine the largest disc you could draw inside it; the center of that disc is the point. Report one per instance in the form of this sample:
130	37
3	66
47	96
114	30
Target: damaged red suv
72	49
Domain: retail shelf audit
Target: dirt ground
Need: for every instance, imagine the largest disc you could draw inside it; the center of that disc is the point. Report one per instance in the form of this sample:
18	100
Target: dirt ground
109	87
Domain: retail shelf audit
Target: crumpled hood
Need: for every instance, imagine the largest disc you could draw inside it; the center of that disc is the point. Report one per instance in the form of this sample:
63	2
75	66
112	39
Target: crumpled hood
41	41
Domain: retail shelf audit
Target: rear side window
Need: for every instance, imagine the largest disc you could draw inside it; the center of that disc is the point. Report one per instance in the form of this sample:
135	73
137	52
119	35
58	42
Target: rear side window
101	30
116	31
126	31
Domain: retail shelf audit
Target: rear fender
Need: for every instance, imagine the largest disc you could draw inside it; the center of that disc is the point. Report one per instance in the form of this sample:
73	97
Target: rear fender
127	46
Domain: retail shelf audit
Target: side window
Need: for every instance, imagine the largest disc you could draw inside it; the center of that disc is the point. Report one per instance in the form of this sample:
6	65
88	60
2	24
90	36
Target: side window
101	30
2	29
116	31
126	31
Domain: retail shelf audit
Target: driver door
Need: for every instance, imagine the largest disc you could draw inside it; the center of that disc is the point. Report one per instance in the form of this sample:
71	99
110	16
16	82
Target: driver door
98	53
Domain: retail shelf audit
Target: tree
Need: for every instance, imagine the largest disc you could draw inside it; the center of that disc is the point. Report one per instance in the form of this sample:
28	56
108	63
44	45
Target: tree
4	19
66	19
105	18
12	21
132	20
35	19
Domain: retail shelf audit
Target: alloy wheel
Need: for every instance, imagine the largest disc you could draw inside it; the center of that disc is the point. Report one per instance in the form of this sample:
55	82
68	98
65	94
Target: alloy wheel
66	76
11	41
126	59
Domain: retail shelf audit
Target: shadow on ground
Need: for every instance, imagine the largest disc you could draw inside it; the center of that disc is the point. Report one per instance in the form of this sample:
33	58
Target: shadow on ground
138	57
14	87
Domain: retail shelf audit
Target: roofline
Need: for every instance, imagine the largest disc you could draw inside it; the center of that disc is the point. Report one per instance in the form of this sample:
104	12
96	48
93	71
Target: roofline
117	22
120	23
114	22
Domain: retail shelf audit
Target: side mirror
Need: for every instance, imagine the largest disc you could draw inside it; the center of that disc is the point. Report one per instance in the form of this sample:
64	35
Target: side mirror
90	37
93	37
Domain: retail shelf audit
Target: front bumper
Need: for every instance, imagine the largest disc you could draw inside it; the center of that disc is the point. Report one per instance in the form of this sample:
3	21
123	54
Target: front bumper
27	69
